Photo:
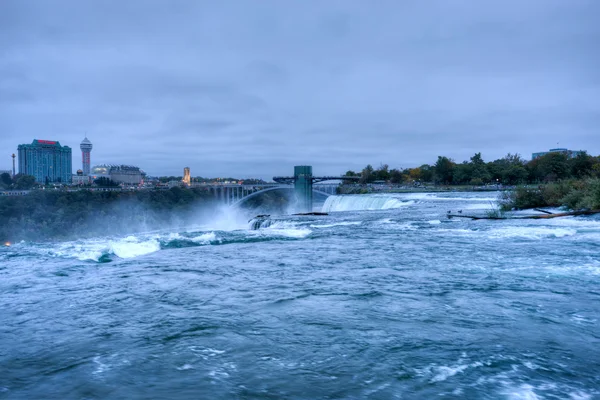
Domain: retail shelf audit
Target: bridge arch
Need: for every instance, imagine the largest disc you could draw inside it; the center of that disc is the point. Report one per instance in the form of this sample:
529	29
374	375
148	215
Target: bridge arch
270	189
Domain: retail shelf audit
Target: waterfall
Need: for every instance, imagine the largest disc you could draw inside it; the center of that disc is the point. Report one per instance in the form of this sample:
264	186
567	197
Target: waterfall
364	202
260	221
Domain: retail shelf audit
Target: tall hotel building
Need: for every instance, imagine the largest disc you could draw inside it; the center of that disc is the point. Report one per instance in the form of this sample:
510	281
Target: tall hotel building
46	160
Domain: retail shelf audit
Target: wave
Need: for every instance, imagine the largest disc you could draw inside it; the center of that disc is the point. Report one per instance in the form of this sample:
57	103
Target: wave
284	229
528	232
134	247
361	202
106	249
337	224
101	250
512	232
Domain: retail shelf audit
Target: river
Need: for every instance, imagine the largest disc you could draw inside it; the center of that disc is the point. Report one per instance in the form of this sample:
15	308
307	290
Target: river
383	298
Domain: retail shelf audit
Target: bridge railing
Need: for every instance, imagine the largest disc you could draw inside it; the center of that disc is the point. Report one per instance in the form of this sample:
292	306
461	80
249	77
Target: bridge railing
232	193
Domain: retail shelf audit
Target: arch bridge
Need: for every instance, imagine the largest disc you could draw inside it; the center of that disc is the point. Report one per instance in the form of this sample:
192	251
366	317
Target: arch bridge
303	183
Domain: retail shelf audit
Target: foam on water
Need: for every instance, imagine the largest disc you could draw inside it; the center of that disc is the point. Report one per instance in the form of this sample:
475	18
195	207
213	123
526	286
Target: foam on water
515	232
139	245
205	238
575	222
95	249
284	229
395	226
348	223
530	232
479	206
526	391
134	247
438	373
522	392
88	251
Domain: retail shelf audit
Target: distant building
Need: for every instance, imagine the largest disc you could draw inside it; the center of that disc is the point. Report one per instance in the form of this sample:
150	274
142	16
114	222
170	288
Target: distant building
81	179
567	152
172	184
186	176
46	160
125	174
86	149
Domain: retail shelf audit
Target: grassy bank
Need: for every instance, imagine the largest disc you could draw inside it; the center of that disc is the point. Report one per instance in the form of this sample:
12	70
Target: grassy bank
572	194
44	215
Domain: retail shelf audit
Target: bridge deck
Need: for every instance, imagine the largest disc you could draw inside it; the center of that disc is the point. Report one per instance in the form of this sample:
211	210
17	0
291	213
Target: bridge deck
291	179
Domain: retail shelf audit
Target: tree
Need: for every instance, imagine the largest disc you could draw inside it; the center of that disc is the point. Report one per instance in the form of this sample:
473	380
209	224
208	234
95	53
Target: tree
396	176
479	171
5	180
426	173
509	170
105	182
514	175
596	167
382	173
549	167
444	168
582	165
350	174
415	174
24	182
462	173
366	175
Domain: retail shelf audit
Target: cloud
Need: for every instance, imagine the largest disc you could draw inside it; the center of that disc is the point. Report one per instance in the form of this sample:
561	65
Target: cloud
252	88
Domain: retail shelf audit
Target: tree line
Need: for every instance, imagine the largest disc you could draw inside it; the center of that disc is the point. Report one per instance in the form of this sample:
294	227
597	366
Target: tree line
19	182
509	170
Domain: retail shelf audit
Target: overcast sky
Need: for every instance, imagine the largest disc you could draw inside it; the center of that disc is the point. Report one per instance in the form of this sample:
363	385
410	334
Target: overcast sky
252	88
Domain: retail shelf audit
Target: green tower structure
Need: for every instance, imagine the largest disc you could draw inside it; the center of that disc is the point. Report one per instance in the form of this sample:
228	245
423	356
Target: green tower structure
303	186
303	180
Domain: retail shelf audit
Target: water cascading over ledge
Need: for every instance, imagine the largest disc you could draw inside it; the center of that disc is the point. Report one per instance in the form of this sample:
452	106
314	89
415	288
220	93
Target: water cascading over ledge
363	202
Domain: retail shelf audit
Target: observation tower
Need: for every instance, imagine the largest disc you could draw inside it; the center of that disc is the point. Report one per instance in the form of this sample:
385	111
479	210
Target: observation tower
86	149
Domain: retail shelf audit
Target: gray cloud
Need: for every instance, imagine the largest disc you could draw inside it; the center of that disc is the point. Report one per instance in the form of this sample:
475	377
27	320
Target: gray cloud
250	88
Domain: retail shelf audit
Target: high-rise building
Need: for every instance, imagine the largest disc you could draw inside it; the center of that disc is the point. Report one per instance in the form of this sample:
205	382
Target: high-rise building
186	176
46	160
86	149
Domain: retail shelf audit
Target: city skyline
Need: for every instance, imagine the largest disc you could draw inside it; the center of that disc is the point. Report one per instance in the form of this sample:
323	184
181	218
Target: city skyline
88	145
237	89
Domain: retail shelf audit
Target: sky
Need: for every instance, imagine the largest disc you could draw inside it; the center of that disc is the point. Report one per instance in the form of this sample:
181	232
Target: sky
251	88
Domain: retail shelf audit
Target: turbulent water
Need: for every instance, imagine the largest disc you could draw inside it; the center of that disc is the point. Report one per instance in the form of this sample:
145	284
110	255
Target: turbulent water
384	298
